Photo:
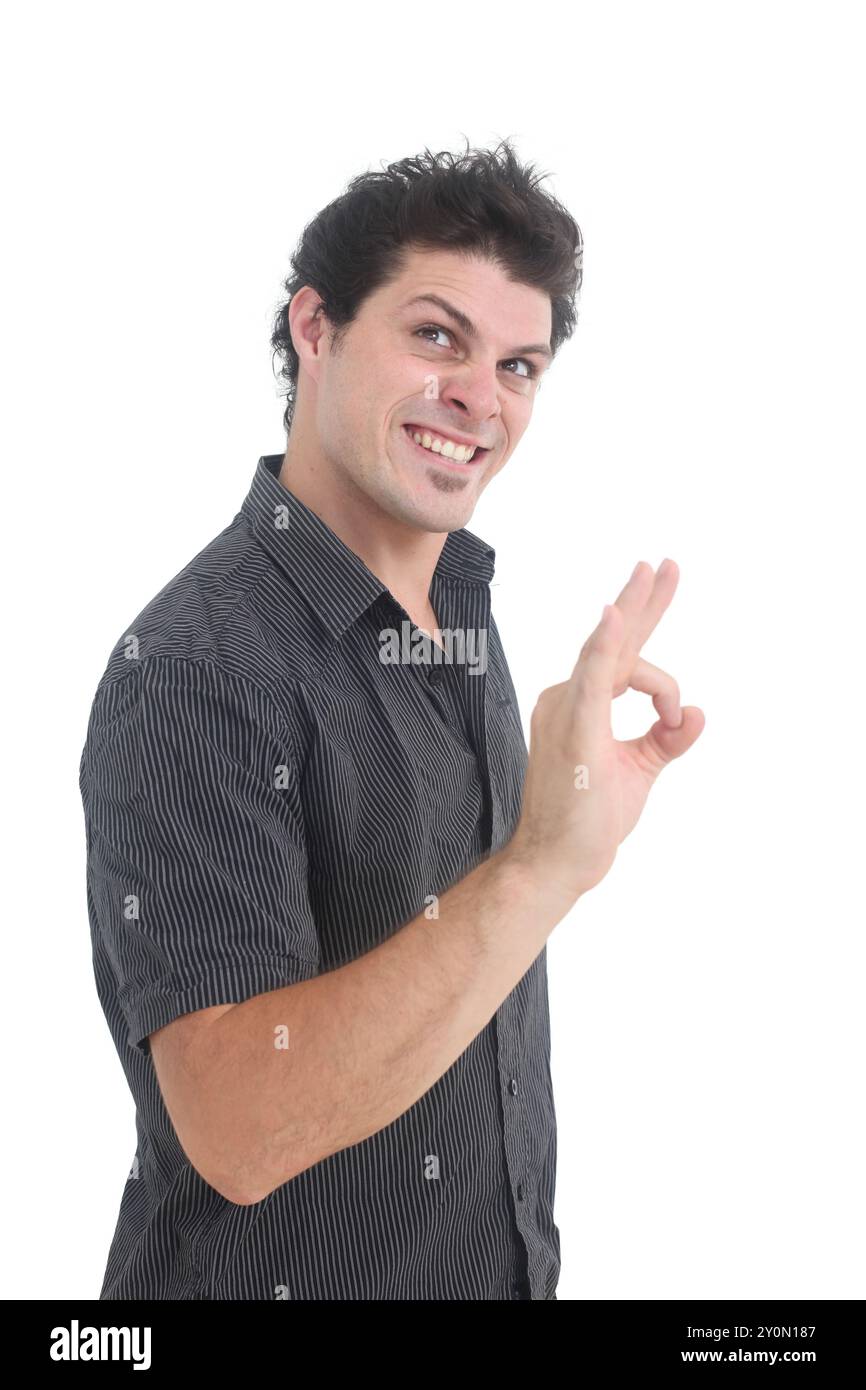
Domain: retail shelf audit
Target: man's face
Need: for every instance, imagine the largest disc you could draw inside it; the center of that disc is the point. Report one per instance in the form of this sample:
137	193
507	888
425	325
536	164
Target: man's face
406	368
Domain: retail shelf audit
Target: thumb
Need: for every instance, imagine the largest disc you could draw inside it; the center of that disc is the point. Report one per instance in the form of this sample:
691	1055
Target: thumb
661	744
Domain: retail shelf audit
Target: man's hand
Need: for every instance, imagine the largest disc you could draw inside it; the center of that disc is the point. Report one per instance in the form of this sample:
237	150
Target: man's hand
584	790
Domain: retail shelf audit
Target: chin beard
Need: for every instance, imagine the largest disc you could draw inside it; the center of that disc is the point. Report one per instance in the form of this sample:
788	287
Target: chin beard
452	513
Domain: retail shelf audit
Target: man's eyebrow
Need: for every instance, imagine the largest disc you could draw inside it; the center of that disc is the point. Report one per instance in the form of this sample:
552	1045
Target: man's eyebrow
468	327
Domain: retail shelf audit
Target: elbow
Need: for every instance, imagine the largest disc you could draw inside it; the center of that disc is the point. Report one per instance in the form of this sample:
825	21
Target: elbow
230	1191
235	1176
216	1120
235	1183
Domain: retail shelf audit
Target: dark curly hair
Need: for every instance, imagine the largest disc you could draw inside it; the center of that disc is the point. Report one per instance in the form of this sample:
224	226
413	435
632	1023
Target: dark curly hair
484	201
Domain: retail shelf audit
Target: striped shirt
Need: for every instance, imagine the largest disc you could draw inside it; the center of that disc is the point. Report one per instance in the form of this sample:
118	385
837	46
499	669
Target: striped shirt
277	775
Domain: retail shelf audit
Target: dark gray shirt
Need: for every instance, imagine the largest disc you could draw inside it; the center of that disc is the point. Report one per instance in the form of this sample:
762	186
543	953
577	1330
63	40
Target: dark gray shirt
277	775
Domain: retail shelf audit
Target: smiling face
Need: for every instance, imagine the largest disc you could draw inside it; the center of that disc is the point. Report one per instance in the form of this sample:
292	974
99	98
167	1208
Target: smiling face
451	351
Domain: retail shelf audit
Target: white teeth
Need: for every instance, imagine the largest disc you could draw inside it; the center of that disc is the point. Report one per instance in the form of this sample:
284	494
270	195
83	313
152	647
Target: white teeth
448	449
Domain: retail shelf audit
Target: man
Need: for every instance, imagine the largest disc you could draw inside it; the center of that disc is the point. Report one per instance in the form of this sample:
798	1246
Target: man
321	870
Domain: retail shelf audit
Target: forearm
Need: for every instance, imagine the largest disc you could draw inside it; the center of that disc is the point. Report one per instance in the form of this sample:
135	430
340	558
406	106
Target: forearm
367	1040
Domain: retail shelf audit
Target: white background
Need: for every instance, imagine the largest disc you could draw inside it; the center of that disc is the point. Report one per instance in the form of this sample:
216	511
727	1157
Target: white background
160	163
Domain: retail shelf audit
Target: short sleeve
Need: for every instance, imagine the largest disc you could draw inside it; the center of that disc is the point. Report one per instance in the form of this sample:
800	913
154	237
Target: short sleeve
196	858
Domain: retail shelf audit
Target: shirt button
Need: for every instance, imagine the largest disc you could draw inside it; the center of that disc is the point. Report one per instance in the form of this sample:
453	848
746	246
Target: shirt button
435	675
513	1086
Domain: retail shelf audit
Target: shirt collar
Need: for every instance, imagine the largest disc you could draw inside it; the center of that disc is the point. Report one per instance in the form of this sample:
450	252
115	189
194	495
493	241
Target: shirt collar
335	580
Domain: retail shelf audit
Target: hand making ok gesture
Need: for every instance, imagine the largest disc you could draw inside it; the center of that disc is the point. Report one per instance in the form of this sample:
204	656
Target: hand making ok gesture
585	790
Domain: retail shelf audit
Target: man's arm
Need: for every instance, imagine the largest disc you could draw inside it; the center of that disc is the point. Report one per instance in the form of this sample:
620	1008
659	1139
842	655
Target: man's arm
365	1041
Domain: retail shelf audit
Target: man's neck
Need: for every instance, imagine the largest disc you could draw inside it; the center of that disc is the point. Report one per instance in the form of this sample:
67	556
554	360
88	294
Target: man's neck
403	557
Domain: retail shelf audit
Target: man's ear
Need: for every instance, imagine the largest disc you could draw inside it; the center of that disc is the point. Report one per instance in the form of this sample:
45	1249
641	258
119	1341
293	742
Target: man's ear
308	327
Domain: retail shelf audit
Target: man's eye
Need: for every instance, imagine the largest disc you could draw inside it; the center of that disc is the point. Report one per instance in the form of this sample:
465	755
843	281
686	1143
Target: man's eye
531	369
432	328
